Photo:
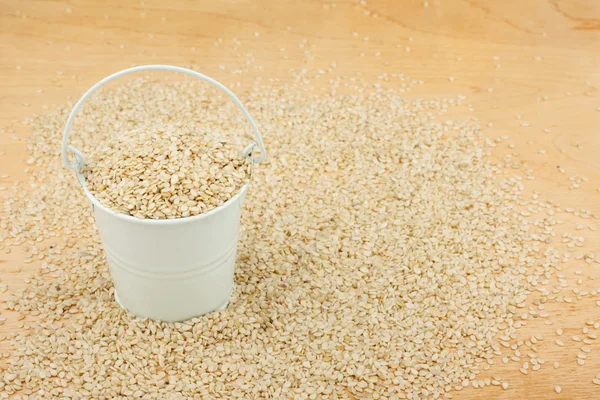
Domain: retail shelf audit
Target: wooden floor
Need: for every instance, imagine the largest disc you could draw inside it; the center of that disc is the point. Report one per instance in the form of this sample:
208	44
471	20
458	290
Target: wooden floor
529	68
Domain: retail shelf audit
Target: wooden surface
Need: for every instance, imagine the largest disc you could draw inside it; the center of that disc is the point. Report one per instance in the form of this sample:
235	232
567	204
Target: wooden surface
535	59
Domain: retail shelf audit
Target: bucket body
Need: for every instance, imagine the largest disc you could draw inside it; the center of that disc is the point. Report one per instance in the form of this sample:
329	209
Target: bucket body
171	270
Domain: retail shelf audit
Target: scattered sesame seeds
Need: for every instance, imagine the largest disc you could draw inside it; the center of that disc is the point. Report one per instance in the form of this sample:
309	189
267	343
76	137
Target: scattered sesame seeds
330	254
289	133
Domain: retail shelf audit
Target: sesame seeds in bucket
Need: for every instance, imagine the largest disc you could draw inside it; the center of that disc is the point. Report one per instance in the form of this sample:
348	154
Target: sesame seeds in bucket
165	172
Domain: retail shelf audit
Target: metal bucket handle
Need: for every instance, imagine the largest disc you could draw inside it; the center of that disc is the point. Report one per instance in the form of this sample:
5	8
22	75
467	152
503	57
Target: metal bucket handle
80	159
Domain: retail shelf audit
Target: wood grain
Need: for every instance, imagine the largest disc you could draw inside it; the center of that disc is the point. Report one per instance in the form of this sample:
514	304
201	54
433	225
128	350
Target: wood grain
537	60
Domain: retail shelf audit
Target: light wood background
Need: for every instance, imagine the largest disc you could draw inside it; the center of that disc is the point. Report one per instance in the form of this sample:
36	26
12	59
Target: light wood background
538	59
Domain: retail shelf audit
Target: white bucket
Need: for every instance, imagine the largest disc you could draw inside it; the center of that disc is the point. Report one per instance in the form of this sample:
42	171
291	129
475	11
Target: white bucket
172	269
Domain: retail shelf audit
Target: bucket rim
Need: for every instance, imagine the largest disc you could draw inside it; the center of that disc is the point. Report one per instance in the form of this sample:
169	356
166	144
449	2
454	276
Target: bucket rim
174	221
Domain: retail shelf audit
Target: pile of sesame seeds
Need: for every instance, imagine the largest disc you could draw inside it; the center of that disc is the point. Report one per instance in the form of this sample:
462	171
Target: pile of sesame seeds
165	172
383	254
